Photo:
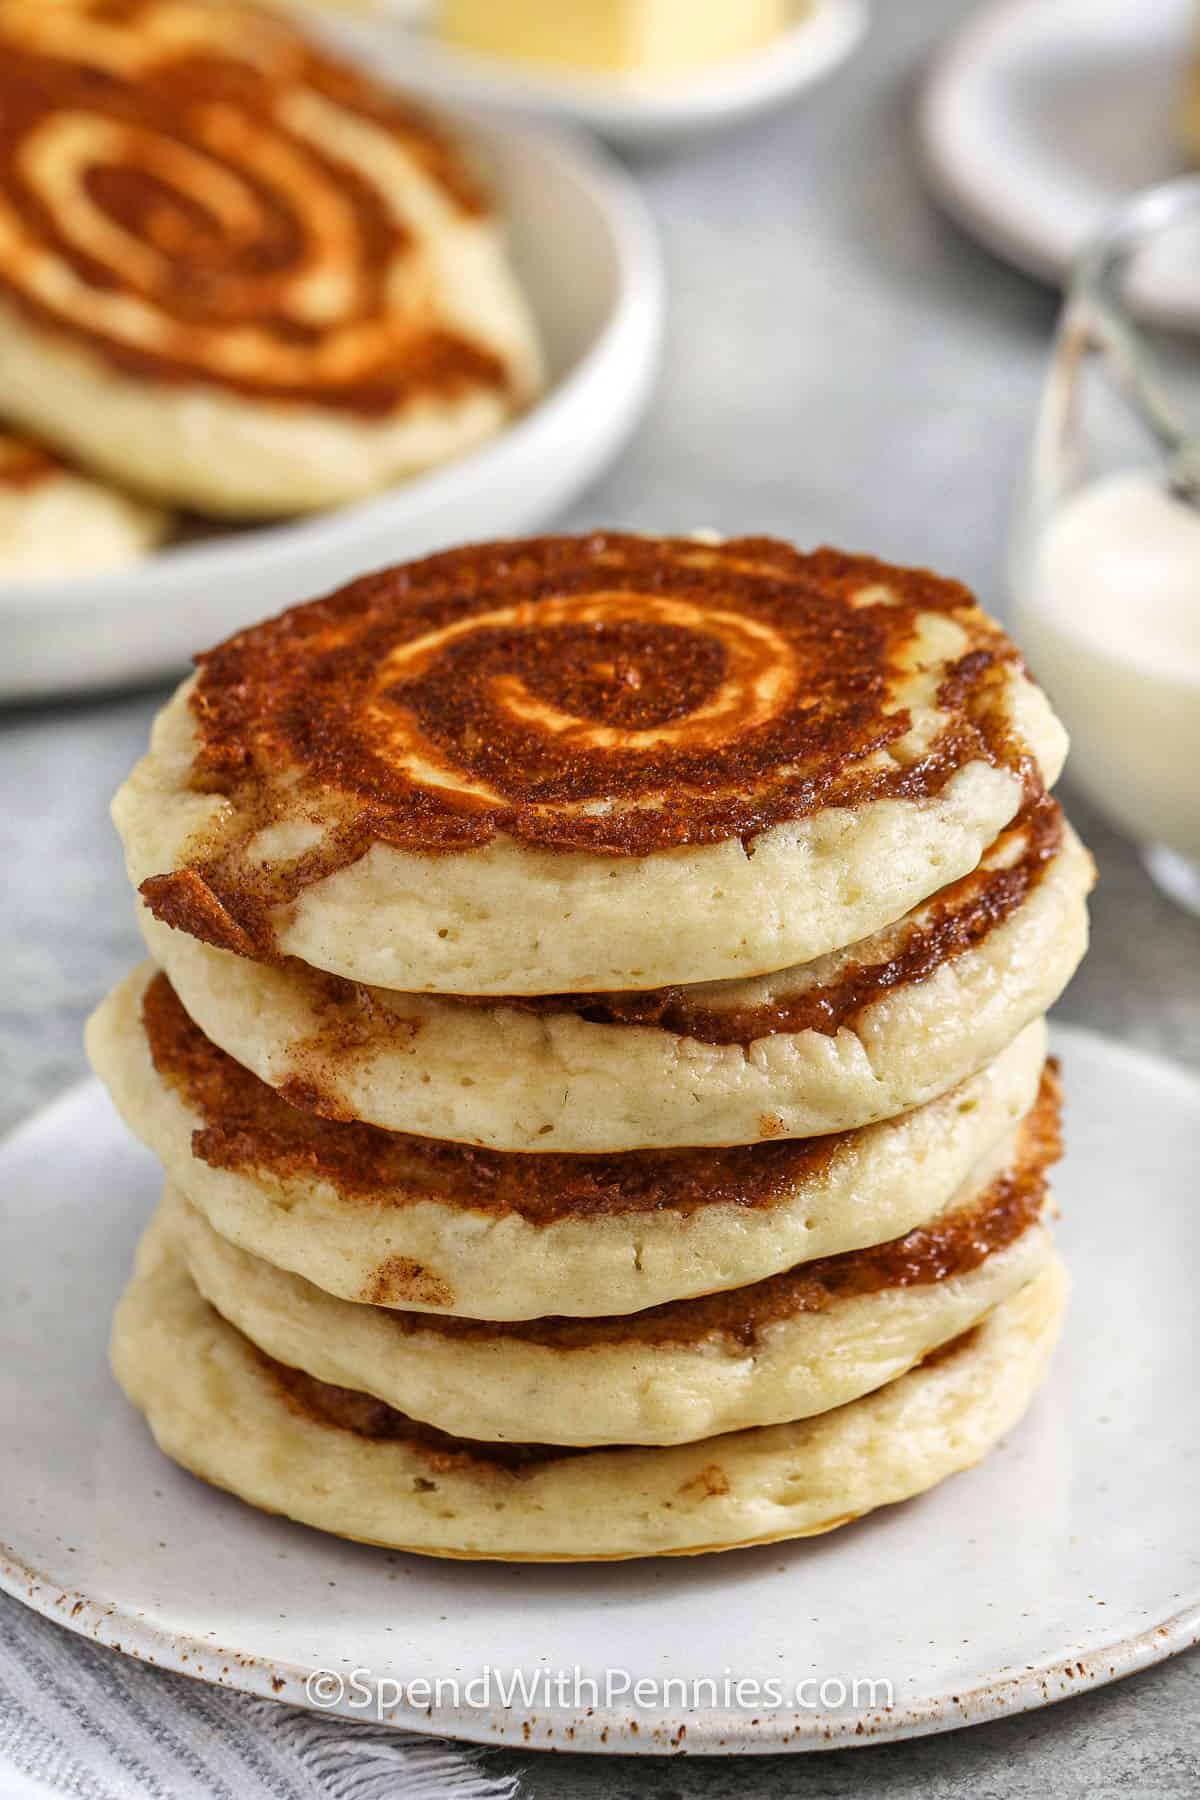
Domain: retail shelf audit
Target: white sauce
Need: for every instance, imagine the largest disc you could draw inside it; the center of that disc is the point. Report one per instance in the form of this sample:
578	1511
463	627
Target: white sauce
1109	617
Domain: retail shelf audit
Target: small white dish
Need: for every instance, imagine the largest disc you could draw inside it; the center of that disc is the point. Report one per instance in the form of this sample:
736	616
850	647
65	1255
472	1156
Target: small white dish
634	111
1066	1559
586	252
1037	120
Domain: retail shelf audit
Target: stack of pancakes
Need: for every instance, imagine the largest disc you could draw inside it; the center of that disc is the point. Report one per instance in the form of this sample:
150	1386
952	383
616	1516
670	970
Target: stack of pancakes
594	1040
237	276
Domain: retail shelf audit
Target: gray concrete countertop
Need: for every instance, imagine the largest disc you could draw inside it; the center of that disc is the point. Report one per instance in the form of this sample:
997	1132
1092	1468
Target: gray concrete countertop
842	365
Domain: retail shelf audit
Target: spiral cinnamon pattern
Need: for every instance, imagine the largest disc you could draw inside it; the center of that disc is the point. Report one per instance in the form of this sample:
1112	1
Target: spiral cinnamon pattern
196	194
615	693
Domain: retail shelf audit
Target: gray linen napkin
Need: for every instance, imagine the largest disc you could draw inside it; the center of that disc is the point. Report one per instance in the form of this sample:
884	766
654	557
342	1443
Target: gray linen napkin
78	1719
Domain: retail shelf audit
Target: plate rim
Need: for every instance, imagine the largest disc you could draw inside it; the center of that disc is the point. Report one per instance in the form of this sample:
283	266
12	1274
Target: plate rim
972	205
711	1733
607	1731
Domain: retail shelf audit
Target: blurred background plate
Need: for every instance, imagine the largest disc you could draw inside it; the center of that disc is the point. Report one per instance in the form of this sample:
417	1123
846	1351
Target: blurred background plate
629	110
1041	116
570	210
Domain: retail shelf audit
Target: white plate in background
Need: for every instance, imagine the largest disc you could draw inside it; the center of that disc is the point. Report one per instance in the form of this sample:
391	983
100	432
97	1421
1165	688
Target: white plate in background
585	250
1040	116
1068	1558
636	111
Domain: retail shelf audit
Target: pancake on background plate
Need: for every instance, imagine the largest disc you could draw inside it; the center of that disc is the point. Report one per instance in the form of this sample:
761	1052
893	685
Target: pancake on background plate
351	1465
54	520
235	273
586	764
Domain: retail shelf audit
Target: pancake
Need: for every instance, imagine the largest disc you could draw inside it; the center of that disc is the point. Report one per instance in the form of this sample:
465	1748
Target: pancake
427	1226
345	1464
234	273
586	764
56	521
859	1035
800	1343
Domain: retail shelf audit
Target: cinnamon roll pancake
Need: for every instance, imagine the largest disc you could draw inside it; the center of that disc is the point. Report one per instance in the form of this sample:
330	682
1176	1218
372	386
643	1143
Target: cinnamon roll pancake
351	1465
235	273
54	520
799	1343
856	1036
426	1226
572	765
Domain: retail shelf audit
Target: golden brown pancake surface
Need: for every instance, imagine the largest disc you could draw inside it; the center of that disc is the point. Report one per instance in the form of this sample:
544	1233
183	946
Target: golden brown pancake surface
249	1126
615	694
952	1244
344	1409
347	1410
169	199
955	922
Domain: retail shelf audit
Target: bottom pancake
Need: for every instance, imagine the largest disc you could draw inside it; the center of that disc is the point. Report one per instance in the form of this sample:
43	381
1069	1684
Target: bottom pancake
352	1466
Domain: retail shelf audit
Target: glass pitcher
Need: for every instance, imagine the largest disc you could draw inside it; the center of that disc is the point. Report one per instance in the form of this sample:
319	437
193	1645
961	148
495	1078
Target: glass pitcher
1106	550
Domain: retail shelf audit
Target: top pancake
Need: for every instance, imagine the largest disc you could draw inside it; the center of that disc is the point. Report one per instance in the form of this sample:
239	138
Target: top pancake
571	764
192	196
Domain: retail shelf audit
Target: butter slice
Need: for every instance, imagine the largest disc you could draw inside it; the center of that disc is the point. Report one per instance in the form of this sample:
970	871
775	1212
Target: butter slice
626	36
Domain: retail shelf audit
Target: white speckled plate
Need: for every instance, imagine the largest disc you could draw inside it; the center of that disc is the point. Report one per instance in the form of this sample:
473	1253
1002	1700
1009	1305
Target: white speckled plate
1040	116
1067	1558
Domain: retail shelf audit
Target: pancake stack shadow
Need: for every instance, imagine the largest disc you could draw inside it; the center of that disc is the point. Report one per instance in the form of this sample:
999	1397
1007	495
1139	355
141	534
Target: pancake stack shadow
594	1039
